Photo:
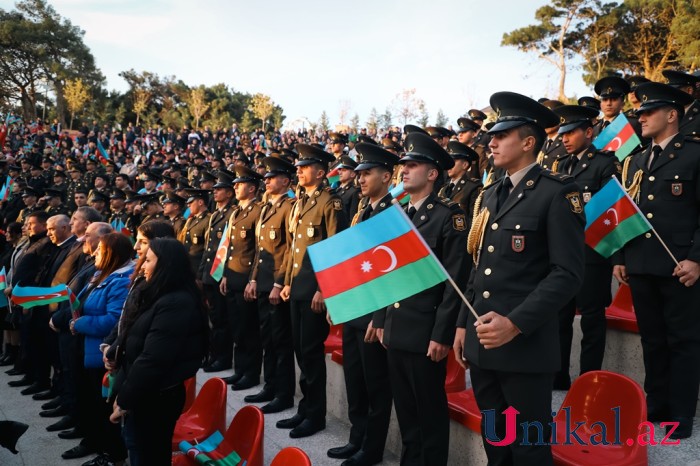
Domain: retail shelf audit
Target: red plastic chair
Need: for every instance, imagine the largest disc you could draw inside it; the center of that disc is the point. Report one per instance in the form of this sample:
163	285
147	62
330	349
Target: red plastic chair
335	338
620	314
463	409
291	456
455	379
190	392
591	399
207	414
337	356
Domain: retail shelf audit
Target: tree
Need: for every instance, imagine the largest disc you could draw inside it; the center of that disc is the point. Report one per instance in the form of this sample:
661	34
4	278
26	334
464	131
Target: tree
246	122
549	38
441	119
386	119
323	122
77	94
424	118
407	105
343	111
197	104
685	27
355	122
141	99
262	107
372	121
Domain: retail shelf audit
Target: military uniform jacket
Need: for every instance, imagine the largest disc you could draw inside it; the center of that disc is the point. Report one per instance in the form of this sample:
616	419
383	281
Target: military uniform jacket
215	229
669	197
531	264
70	192
241	250
690	124
59	210
482	165
464	193
384	203
24	213
178	224
272	231
551	150
317	215
350	196
193	237
411	323
118	217
150	218
592	172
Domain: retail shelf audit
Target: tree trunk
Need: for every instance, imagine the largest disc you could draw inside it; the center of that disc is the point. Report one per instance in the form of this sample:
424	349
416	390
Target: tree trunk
61	103
72	114
28	105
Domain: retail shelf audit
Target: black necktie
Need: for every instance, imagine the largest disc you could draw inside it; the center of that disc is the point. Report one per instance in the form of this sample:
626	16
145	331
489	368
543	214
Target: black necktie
654	156
504	192
448	190
547	145
411	212
572	163
367	212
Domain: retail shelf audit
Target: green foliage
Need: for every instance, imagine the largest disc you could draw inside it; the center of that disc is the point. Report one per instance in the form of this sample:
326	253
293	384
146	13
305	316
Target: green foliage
441	119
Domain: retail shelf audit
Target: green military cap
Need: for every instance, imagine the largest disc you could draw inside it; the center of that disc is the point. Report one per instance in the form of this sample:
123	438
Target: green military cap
476	114
278	166
224	179
467	124
247	175
347	162
372	155
515	110
573	116
408	129
679	78
172	198
459	151
309	153
195	194
611	86
635	81
588	101
422	148
654	95
98	196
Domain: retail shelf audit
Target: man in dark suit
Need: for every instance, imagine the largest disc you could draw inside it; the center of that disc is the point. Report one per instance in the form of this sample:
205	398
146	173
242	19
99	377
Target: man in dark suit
364	358
417	331
266	283
591	169
220	338
528	265
663	179
317	215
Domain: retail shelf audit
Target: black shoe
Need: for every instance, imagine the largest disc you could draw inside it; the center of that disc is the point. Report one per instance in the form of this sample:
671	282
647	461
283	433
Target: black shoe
290	423
71	434
344	452
361	459
56	412
79	451
43	396
684	429
277	405
100	460
218	366
35	388
306	429
262	396
53	404
23	382
658	416
231	379
66	422
245	383
10	432
15	371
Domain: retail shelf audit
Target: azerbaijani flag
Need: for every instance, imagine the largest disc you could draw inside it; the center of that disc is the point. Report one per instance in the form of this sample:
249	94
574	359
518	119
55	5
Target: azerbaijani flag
613	219
3	279
619	136
333	177
210	444
6	189
217	267
373	264
31	296
399	194
214	458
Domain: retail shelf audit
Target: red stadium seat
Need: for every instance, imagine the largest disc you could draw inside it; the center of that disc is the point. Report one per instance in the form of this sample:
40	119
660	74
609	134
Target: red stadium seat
190	392
291	456
207	414
463	409
337	356
591	398
455	380
335	338
620	314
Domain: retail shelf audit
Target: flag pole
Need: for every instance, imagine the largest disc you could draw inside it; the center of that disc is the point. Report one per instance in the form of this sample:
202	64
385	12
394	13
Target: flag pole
665	247
449	277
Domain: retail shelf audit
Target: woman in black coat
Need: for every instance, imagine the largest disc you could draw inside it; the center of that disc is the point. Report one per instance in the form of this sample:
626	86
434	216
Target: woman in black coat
161	345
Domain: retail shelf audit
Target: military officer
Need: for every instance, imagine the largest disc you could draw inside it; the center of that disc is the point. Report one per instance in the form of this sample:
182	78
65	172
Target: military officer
316	216
588	101
419	330
348	191
591	169
149	207
53	202
338	142
466	133
30	197
117	206
266	283
99	200
481	136
242	313
528	244
462	188
193	233
133	220
664	181
173	207
631	114
612	91
220	338
439	134
76	183
690	124
364	358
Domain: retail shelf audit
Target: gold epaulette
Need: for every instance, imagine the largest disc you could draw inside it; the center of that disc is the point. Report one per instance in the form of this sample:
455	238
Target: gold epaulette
555	164
634	187
475	239
540	158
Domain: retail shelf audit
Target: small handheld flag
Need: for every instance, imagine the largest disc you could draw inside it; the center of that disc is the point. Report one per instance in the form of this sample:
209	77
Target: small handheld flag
619	136
217	267
398	193
103	155
32	296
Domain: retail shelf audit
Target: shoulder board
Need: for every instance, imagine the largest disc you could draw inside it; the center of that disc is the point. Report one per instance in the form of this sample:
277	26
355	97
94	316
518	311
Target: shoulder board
637	150
607	153
476	181
446	202
693	138
560	177
493	184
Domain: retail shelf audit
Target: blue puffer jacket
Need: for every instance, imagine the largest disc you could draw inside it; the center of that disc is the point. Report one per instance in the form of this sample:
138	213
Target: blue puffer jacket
101	311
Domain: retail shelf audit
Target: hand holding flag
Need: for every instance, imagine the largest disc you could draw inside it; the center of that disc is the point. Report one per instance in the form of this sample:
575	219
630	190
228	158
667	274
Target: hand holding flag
619	136
218	265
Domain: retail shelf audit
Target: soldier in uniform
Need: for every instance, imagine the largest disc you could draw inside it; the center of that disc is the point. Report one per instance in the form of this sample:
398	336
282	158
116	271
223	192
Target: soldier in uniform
30	197
75	183
481	137
80	198
690	124
220	338
365	364
588	101
528	245
553	146
316	216
99	201
338	142
418	331
664	181
440	135
591	169
149	207
631	114
266	283
242	318
54	204
462	187
348	190
59	183
173	207
193	233
612	91
117	206
90	172
466	135
133	219
36	179
206	182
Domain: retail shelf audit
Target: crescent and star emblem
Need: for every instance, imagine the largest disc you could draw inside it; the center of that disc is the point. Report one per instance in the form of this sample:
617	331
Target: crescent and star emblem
616	140
614	213
392	255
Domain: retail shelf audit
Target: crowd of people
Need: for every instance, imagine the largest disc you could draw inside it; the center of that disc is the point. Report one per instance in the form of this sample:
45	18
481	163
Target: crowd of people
201	237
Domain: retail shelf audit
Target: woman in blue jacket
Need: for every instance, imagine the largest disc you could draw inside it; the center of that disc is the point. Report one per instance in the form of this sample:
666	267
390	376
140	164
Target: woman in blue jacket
102	299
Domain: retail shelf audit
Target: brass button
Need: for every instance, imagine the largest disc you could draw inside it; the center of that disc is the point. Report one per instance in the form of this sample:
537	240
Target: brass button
397	305
208	260
494	226
650	215
487	271
299	235
647	235
296	266
652	178
486	295
260	261
261	248
491	249
650	197
297	250
517	227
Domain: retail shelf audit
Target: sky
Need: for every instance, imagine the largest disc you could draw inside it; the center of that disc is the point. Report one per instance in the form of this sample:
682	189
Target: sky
316	55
